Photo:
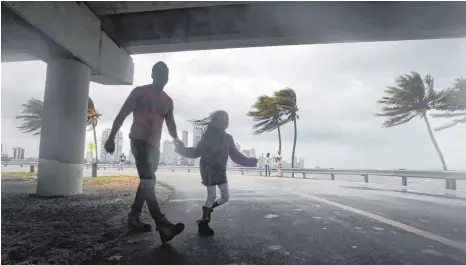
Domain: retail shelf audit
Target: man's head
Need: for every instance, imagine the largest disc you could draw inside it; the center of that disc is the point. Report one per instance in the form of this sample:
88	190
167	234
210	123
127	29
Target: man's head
160	73
268	154
278	152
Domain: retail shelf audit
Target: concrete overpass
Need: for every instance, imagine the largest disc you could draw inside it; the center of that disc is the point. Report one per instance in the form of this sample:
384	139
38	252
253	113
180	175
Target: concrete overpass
92	41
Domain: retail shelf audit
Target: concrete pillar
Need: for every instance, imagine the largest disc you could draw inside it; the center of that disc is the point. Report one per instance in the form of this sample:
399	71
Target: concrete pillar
63	135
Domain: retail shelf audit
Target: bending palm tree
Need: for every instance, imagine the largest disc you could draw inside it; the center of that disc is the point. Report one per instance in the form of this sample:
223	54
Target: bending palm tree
413	97
32	117
92	118
267	117
457	103
287	105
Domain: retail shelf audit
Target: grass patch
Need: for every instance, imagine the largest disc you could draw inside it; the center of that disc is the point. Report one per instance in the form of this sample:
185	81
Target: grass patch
100	180
19	174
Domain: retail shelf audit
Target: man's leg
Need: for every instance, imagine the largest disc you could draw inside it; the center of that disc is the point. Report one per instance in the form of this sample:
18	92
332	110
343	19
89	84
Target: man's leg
166	229
134	221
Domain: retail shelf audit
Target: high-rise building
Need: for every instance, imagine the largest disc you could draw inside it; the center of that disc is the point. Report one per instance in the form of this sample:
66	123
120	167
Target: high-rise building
130	156
247	152
106	157
90	156
301	162
184	139
118	146
18	153
196	136
253	152
170	157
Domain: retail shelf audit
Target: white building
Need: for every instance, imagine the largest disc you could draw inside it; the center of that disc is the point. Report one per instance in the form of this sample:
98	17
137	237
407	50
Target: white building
184	139
111	158
170	157
197	134
130	156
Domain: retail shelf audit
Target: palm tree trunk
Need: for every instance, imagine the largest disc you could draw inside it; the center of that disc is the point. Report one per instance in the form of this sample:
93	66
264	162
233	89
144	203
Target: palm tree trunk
95	144
94	167
279	139
294	143
449	184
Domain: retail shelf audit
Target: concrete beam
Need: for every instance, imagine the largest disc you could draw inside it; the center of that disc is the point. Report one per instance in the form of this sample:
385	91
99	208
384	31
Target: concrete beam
285	23
119	7
73	27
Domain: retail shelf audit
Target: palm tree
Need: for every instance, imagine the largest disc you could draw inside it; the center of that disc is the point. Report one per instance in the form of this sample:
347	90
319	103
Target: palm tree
457	103
287	105
92	119
267	117
31	117
413	97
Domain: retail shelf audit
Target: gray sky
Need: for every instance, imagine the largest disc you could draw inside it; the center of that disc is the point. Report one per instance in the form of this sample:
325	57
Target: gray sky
337	87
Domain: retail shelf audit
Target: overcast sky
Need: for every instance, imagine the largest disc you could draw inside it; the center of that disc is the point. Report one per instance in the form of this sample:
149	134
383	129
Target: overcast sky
337	87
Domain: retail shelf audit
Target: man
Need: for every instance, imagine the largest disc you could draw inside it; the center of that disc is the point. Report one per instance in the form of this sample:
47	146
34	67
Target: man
278	159
122	162
150	106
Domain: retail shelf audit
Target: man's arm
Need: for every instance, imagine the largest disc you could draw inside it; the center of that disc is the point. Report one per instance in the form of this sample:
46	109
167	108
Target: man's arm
126	109
171	125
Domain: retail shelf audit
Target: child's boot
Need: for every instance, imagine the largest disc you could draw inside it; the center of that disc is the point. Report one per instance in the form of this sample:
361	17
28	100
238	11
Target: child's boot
203	223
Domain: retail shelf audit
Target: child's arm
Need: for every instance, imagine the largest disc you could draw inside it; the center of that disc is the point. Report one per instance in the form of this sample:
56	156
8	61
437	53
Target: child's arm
239	158
190	152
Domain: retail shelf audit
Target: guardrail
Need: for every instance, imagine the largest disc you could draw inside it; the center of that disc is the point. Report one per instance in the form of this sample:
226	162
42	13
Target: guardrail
450	175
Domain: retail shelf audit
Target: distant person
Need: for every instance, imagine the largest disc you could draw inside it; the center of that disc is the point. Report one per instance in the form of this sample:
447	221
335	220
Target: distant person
214	149
150	106
278	159
268	162
122	162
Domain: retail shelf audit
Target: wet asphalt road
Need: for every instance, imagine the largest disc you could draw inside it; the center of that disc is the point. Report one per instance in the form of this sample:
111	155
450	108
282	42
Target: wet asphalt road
294	221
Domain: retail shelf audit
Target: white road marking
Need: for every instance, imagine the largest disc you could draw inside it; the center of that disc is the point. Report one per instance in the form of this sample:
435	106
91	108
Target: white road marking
232	199
269	216
419	232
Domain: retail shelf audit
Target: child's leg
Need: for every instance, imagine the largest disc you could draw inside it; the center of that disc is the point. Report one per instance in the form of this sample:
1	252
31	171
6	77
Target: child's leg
211	196
225	195
203	223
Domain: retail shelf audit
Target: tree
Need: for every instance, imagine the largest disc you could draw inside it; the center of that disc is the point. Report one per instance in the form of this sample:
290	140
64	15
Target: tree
286	101
92	118
32	112
31	116
413	97
267	117
457	105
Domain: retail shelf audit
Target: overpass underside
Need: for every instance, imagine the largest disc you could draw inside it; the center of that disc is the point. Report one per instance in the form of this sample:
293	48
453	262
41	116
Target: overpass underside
236	25
92	41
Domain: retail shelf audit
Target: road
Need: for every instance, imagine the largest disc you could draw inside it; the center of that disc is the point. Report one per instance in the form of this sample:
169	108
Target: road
297	221
292	221
417	185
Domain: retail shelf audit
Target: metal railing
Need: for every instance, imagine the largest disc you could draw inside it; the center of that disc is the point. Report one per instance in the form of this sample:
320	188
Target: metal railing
365	173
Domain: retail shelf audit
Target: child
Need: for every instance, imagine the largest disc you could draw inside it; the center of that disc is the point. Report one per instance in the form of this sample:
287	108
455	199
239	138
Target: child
214	148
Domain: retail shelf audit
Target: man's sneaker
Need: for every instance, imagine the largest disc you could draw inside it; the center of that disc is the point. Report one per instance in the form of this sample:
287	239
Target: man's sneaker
168	231
135	223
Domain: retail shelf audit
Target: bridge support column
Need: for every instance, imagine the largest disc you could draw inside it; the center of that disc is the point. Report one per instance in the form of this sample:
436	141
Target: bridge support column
63	135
